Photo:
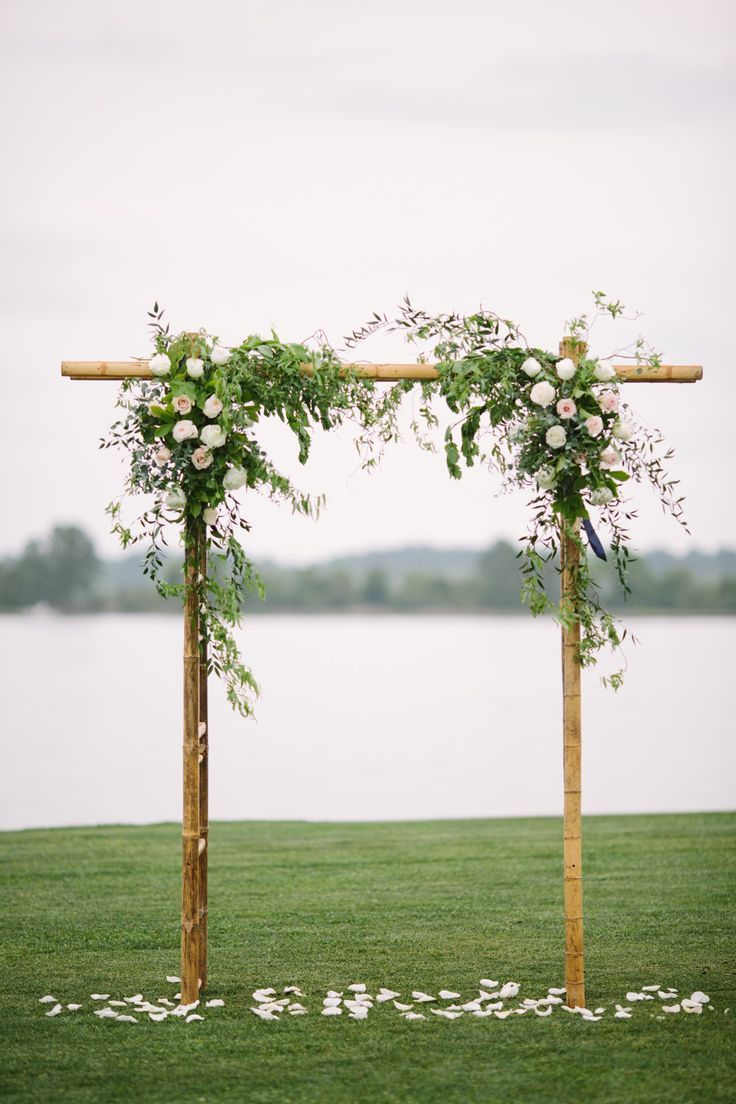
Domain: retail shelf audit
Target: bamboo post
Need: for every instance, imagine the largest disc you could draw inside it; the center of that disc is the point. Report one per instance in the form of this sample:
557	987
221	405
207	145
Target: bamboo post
204	752
190	917
572	746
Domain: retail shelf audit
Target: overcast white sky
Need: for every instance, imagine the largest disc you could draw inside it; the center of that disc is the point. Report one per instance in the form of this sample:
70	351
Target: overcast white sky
301	165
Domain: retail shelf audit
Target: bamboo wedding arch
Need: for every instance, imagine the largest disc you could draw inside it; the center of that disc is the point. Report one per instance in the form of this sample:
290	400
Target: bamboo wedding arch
195	814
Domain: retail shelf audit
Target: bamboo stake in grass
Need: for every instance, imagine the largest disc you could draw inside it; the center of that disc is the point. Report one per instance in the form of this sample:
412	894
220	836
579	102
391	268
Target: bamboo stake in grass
572	746
204	752
190	901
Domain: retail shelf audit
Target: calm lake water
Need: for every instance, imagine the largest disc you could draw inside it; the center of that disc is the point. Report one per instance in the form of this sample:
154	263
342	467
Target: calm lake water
361	718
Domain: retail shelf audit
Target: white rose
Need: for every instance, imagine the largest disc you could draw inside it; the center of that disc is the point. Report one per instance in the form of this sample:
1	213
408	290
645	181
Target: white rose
623	431
565	368
213	436
184	430
546	479
210	515
212	407
175	499
195	367
163	455
542	393
234	479
555	436
532	367
600	496
160	364
201	458
604	372
219	355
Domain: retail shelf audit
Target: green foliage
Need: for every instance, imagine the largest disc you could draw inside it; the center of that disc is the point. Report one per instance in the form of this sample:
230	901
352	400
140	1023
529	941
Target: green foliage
546	424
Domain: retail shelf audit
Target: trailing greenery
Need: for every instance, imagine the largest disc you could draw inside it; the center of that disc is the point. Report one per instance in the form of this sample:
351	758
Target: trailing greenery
553	425
414	905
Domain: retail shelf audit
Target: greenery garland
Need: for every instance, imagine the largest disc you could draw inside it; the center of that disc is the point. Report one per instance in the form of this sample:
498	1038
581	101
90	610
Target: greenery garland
544	423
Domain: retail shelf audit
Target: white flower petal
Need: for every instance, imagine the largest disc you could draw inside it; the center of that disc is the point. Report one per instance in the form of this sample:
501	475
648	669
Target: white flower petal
557	992
386	995
74	1007
445	1013
650	988
294	989
194	1016
332	993
670	1008
106	1013
403	1007
215	1003
99	996
502	1015
510	989
332	1010
446	994
543	1011
699	997
157	1017
54	1011
263	1014
126	1019
174	979
487	984
48	999
297	1011
331	1002
419	996
358	987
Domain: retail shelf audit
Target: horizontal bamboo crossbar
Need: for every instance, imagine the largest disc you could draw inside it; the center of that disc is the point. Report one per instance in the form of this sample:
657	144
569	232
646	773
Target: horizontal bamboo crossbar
386	373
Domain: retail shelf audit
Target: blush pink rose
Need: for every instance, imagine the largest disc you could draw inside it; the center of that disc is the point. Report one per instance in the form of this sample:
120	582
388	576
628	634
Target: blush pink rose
608	401
201	458
609	457
163	455
594	426
212	407
182	405
566	408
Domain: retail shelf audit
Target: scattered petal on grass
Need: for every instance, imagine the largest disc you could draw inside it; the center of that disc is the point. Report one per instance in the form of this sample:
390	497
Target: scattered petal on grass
488	984
550	1000
632	997
106	1013
482	995
557	992
165	1000
413	1016
99	996
403	1007
332	1010
117	1004
331	1002
484	1012
263	1014
296	1007
386	995
126	1019
420	997
360	1013
667	994
700	998
333	993
670	1008
445	1013
263	994
215	1003
650	988
54	1011
472	1006
74	1007
173	979
157	1017
134	1000
358	987
294	989
48	999
543	1011
591	1018
691	1006
510	989
194	1016
446	994
177	996
599	1011
622	1015
529	1002
297	1011
502	1015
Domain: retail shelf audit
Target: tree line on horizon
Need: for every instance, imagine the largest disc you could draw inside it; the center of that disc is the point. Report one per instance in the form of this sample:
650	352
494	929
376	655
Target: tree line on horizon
63	572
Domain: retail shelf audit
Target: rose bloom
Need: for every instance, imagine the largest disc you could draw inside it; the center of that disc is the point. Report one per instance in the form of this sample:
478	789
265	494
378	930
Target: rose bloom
209	515
184	431
160	364
234	479
532	367
565	368
609	457
212	407
219	355
600	496
542	393
546	479
566	408
623	431
555	436
213	436
608	401
201	458
594	425
182	405
163	455
195	367
604	372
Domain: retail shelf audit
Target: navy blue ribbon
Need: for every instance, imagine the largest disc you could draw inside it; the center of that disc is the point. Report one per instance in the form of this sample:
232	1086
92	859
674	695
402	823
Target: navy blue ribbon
593	540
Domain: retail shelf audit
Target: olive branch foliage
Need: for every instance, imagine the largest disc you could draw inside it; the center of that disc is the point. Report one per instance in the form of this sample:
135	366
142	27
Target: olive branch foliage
482	379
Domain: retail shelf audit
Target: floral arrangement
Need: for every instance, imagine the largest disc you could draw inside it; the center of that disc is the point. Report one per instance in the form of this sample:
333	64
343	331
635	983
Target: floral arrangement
554	425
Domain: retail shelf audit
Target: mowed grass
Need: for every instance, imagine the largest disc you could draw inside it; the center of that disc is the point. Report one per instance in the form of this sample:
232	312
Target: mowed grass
417	905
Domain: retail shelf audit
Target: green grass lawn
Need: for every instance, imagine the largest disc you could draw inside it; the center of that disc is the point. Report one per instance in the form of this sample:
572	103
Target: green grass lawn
419	905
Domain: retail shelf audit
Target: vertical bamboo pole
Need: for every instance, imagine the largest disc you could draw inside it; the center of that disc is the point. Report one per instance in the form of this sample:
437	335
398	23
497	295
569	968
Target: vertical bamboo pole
572	746
204	751
190	920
